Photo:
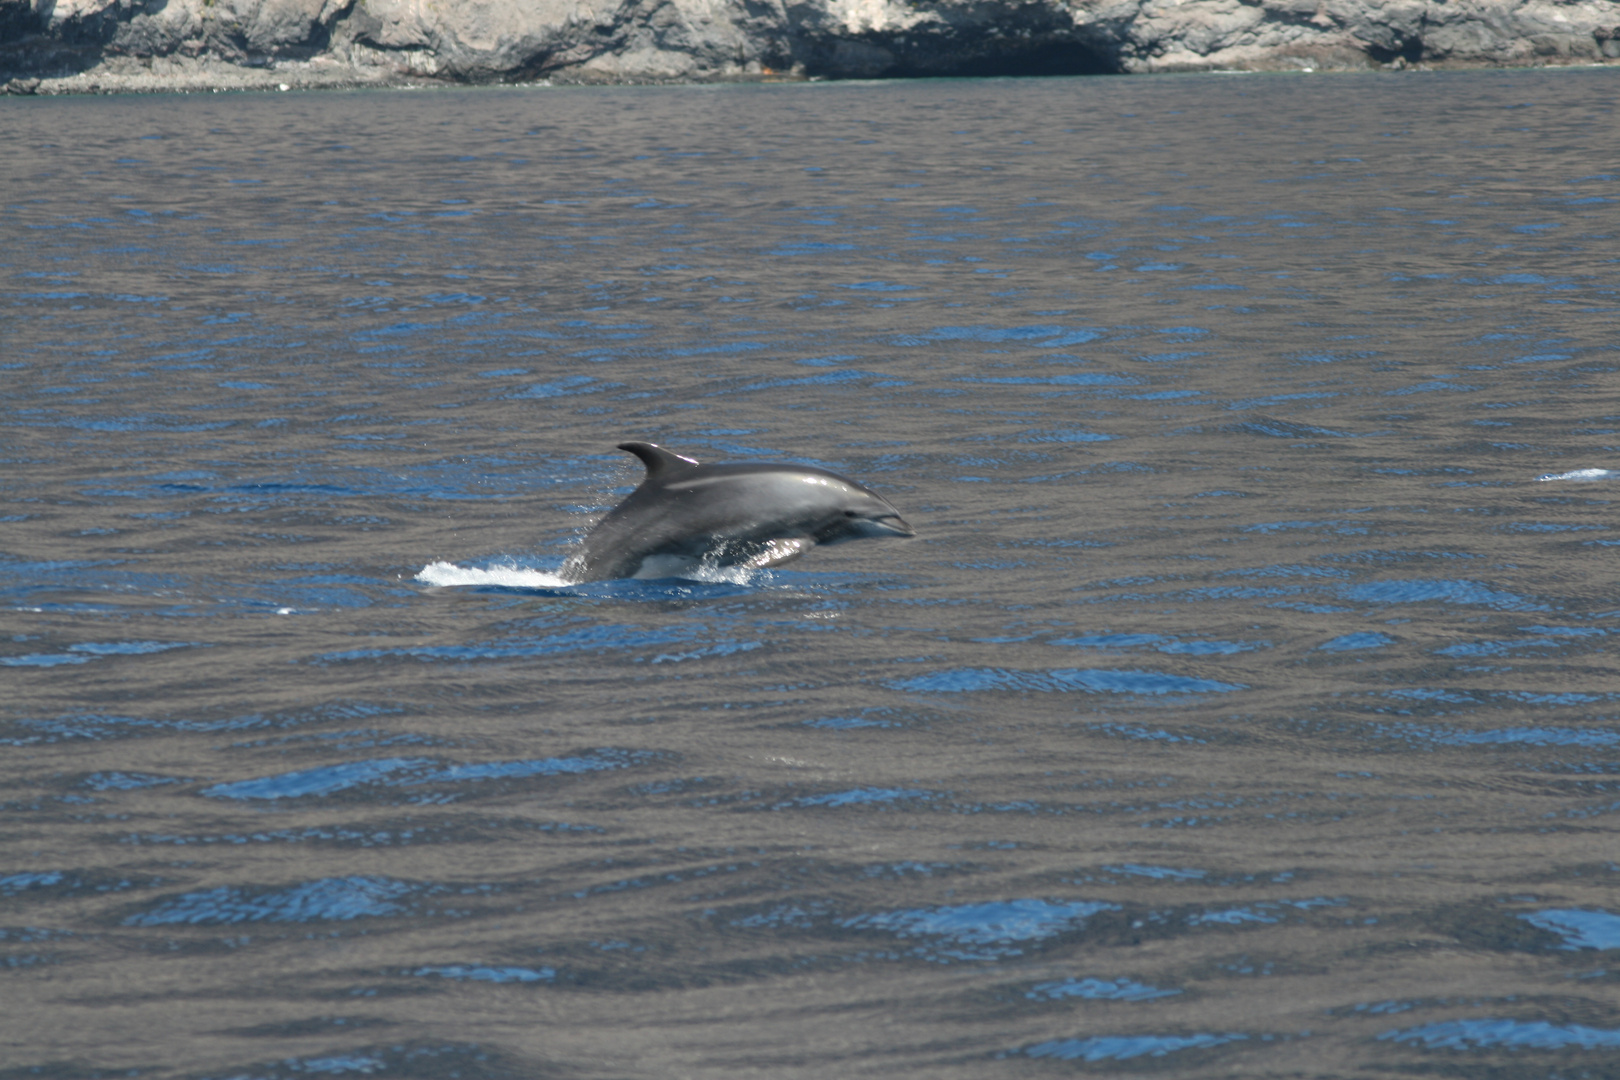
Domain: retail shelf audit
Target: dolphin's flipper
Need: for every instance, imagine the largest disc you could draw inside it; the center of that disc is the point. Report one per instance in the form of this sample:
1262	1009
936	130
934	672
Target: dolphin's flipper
658	460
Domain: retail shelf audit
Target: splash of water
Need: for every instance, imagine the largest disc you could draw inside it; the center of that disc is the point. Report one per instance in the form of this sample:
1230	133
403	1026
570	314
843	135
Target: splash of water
1581	474
443	574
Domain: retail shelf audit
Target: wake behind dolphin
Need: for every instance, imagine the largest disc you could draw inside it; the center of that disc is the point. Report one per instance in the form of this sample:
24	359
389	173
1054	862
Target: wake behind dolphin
687	517
509	577
1581	474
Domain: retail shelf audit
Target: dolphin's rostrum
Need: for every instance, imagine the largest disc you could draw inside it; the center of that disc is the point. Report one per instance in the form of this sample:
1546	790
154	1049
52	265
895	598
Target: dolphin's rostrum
687	516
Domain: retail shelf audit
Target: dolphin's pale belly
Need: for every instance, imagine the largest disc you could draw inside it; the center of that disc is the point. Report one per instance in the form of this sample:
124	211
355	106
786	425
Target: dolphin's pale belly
751	555
665	566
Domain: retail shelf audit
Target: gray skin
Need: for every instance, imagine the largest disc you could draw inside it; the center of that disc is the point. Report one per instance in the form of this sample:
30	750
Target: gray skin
685	516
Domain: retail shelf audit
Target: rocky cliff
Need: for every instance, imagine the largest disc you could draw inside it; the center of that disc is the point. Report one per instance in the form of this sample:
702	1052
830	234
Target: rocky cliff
63	45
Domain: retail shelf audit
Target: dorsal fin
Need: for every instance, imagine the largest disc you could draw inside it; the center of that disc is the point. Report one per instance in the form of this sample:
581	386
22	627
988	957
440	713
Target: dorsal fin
658	460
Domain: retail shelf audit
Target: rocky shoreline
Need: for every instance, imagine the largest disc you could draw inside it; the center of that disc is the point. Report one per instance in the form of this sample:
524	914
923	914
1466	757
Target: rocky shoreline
123	46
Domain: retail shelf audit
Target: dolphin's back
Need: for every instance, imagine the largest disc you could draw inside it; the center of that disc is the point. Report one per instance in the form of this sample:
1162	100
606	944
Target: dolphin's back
736	513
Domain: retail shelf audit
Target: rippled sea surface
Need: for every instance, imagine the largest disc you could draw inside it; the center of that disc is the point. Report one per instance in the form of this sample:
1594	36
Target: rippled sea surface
1244	707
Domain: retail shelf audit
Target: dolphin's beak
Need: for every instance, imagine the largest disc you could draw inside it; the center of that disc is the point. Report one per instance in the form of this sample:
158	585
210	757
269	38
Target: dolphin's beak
893	525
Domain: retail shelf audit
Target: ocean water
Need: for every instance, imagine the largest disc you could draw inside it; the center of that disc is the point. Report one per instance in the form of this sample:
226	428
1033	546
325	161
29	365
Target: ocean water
1245	705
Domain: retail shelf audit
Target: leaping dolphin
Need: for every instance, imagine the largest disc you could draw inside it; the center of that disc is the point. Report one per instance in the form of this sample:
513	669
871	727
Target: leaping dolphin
686	515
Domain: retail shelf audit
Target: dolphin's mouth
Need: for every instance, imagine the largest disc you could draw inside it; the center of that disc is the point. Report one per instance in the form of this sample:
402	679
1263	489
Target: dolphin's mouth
892	525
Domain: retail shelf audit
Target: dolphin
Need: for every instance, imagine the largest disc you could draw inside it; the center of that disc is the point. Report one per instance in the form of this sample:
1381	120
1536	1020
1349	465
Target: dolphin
686	515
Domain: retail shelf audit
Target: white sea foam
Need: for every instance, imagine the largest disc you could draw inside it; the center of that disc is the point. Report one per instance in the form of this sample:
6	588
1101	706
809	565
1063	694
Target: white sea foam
444	574
1581	474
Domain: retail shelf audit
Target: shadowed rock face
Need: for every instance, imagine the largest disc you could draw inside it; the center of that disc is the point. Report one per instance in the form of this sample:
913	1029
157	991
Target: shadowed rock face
170	43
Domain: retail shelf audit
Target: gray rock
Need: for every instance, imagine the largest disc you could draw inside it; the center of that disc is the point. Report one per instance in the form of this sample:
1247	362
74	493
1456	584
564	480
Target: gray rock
327	42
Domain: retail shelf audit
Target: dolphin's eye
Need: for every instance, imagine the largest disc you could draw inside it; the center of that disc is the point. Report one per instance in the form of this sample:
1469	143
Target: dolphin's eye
850	514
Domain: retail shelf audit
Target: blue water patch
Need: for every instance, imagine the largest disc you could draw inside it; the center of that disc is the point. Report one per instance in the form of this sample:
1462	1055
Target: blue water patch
1548	527
278	491
1109	641
1097	990
1266	911
1159	643
1286	429
730	347
400	772
1125	1047
509	770
808	248
861	796
123	781
571	386
1524	736
1424	590
1045	337
331	1064
1139	732
12	884
395	837
322	781
1386	1008
101	726
1088	680
822	361
1494	648
587	638
1286	570
1331	357
1514	1034
1369	639
154	423
1158	873
849	723
1579	928
1065	436
489	974
1074	378
989	930
328	899
1341	528
1434	386
42	660
1232	917
86	651
841	377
